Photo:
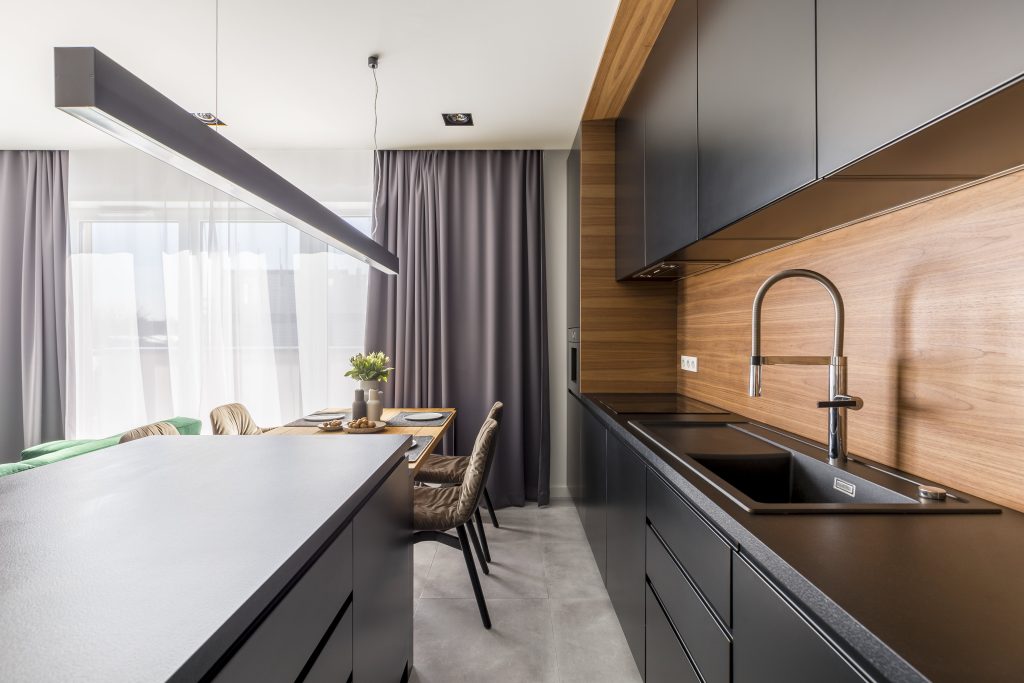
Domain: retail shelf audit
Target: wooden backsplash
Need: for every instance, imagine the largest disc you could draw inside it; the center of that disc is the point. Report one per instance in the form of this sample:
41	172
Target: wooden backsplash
627	329
934	298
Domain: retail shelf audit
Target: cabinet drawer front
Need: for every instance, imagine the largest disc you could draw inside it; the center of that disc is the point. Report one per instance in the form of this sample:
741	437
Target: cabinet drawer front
704	554
334	663
282	644
705	640
666	660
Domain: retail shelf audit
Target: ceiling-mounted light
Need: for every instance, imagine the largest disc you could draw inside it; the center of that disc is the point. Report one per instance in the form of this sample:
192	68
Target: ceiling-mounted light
209	118
464	119
94	88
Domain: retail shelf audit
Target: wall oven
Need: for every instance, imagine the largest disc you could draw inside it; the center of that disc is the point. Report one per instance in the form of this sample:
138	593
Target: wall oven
574	359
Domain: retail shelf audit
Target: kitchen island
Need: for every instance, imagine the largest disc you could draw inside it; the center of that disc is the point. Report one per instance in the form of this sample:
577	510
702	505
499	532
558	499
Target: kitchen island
210	558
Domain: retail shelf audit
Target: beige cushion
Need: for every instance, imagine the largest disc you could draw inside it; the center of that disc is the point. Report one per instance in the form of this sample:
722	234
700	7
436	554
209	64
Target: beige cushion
155	429
442	469
232	419
434	508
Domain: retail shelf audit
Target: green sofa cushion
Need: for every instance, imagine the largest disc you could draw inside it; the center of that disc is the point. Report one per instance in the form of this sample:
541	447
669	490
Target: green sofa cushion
55	451
50	447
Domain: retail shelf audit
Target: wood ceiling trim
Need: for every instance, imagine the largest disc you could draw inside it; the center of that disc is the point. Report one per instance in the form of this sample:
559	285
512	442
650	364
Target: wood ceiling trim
637	25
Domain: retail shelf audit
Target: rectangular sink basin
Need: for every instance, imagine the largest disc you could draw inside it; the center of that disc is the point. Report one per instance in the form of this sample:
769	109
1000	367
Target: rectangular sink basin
764	471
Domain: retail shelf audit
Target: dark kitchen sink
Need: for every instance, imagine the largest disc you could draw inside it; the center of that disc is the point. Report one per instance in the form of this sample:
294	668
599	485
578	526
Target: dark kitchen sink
765	471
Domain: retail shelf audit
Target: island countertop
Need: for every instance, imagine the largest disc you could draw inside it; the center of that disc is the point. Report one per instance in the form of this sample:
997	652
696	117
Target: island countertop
146	561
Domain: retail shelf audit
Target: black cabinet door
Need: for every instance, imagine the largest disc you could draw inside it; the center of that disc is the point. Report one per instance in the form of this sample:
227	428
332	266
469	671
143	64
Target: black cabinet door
593	445
670	137
756	105
573	465
666	659
572	210
626	530
772	643
629	185
886	67
382	595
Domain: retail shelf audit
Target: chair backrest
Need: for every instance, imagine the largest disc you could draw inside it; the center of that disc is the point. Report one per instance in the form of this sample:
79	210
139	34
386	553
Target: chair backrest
155	429
232	419
476	471
494	414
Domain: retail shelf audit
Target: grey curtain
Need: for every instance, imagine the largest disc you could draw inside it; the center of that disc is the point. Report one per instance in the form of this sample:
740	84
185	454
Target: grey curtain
33	261
465	320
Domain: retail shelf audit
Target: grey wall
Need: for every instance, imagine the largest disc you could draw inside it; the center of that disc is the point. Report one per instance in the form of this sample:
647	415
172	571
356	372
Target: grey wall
555	257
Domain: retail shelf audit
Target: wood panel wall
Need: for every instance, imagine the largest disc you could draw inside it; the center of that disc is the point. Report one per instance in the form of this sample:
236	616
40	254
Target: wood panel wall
934	298
627	329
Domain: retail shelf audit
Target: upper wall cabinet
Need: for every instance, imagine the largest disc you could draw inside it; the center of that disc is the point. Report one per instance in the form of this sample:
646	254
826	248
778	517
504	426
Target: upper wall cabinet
887	67
756	105
656	150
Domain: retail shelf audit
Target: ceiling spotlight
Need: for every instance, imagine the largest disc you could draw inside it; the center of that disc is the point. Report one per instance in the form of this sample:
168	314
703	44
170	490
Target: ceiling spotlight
457	119
208	118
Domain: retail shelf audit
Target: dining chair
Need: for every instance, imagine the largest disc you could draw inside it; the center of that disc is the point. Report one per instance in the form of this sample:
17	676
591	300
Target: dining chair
438	509
233	419
449	470
155	429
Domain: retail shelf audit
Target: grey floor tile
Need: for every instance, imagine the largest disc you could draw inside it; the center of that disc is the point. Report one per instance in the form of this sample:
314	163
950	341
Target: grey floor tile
589	644
422	559
570	571
517	571
452	646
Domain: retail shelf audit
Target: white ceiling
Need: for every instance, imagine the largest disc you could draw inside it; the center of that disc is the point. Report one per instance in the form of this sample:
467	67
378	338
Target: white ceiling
293	73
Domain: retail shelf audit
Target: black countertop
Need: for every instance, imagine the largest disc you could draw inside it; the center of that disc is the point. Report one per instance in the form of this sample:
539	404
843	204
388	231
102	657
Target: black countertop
146	561
915	597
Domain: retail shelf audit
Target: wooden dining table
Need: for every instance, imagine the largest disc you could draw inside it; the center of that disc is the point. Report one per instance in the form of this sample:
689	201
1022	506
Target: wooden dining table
435	432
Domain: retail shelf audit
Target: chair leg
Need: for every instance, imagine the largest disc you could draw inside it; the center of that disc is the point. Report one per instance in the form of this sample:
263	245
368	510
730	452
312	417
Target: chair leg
476	546
473	578
490	508
483	536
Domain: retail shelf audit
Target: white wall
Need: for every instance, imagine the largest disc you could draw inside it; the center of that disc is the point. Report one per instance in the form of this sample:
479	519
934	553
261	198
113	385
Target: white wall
555	259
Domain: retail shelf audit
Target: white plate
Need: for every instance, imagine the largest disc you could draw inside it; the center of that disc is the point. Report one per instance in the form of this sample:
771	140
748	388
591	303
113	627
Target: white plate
324	417
423	417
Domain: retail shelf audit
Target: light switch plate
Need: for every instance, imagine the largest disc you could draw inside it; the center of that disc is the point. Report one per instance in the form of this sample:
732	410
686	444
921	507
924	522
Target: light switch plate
688	363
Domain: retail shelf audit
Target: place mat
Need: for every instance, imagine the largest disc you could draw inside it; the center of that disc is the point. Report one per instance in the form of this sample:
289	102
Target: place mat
401	421
414	454
303	422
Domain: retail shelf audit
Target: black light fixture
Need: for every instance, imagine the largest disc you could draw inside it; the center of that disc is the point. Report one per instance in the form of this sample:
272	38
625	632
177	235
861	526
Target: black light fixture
96	89
463	119
209	118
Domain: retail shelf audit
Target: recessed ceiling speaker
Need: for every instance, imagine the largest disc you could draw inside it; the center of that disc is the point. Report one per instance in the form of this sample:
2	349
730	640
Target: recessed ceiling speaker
457	119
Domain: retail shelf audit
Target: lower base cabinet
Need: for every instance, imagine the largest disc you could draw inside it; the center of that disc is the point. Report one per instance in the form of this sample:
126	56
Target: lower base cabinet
772	643
666	659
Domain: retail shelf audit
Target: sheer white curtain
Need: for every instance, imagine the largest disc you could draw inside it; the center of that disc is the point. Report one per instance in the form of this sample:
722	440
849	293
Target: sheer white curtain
183	299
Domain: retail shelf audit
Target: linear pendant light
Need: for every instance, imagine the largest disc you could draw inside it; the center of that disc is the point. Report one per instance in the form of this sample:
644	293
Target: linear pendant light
96	89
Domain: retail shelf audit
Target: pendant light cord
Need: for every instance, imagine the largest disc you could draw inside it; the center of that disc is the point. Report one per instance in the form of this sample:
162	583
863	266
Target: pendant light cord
216	62
376	161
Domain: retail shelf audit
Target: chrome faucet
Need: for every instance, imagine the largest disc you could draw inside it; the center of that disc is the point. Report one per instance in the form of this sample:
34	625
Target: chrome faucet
839	400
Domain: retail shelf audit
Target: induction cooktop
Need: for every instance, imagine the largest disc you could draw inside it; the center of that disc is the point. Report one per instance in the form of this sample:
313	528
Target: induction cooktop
657	404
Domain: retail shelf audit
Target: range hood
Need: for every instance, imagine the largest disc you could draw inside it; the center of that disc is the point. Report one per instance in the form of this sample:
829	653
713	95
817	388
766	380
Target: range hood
96	89
981	139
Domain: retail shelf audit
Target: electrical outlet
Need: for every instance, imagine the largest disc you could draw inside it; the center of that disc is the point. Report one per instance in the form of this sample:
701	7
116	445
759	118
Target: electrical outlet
688	363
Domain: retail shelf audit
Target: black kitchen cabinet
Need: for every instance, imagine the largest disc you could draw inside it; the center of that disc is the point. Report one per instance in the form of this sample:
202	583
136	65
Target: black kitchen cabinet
666	659
593	443
626	521
573	464
670	136
572	210
382	594
756	105
656	150
772	643
629	185
887	67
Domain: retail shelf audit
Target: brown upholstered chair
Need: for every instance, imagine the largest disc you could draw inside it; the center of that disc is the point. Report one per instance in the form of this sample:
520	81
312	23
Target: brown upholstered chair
436	510
448	470
233	419
155	429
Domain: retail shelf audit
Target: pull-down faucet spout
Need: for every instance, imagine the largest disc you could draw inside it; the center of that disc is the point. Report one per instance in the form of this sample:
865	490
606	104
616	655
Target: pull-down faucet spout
838	400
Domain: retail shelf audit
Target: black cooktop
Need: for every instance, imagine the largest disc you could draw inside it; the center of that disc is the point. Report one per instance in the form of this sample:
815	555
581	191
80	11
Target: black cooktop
660	404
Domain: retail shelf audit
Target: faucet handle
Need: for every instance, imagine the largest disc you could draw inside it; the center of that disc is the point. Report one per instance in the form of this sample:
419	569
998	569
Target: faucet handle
843	401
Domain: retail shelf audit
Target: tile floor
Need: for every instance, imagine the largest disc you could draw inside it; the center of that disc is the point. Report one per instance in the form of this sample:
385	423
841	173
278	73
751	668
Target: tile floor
552	620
